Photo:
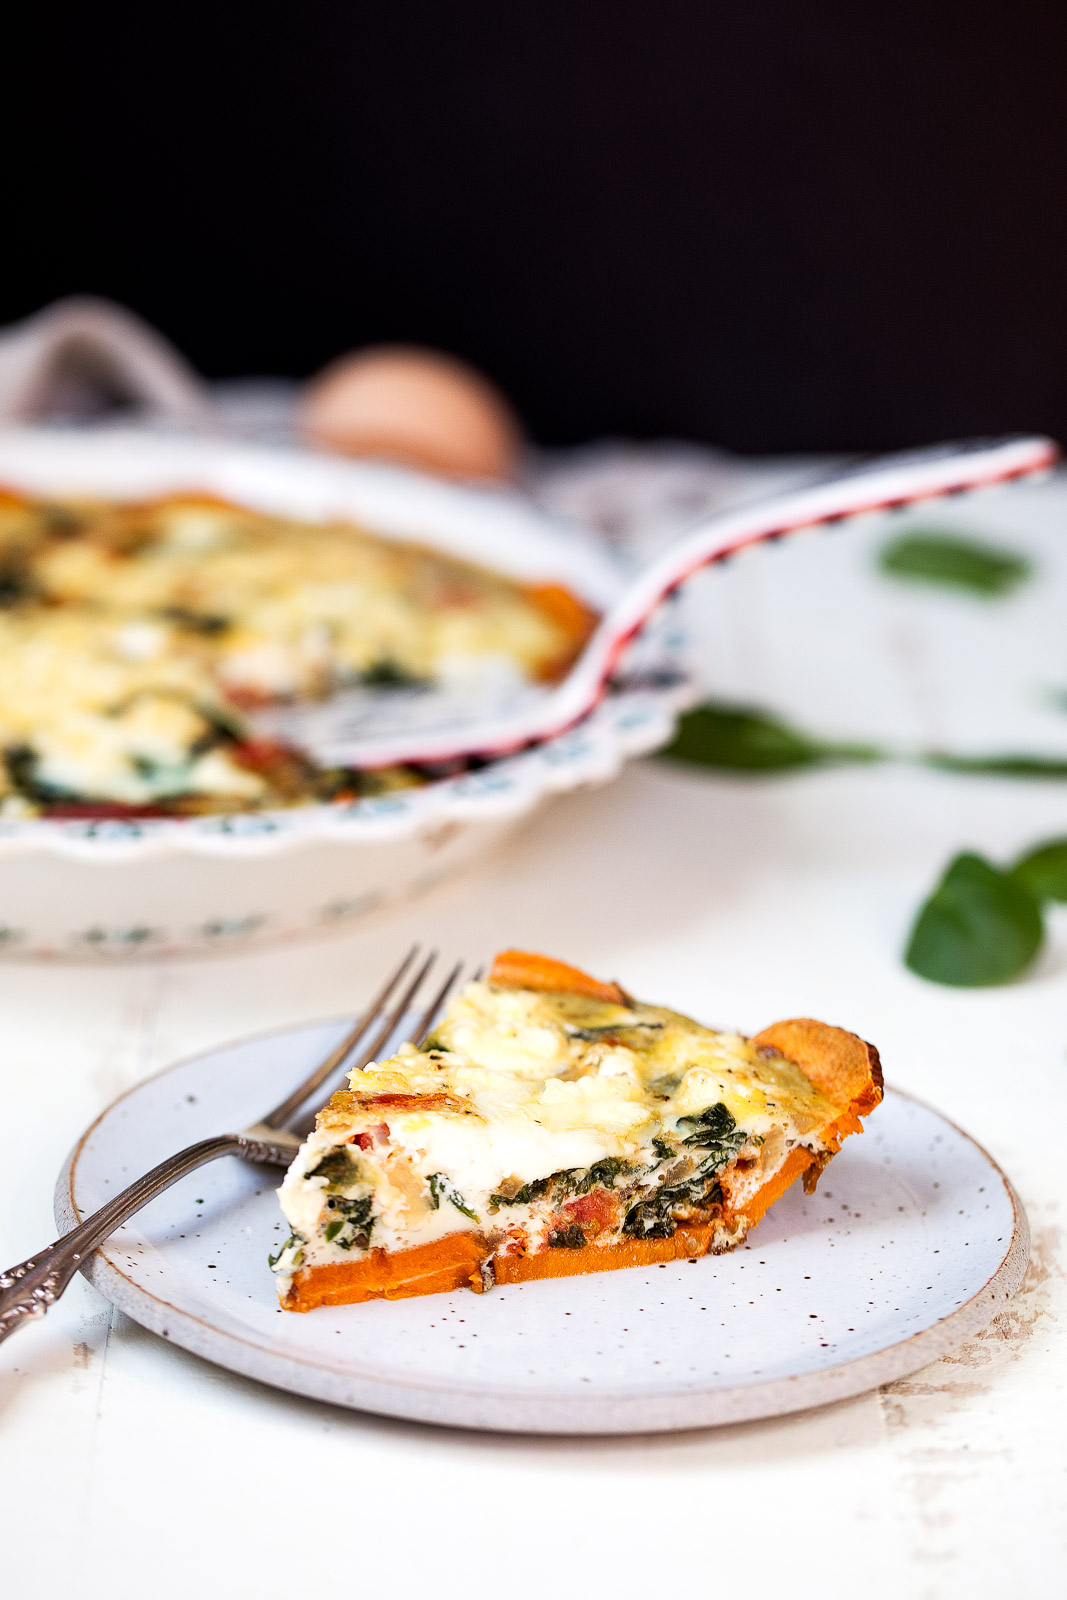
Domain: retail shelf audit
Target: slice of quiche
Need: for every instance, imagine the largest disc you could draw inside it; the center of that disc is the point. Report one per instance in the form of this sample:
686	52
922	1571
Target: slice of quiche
552	1125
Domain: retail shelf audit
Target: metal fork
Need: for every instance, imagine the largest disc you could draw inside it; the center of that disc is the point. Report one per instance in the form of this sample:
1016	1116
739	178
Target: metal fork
28	1290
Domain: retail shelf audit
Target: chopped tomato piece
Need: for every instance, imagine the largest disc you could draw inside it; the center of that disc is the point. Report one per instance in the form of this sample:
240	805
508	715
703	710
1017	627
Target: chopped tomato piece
593	1212
366	1140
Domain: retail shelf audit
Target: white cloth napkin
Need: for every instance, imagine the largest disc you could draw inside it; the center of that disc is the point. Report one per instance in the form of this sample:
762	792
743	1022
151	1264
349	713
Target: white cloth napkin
85	359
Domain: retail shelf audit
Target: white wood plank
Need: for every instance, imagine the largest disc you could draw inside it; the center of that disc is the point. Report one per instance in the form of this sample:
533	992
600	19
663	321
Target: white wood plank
739	900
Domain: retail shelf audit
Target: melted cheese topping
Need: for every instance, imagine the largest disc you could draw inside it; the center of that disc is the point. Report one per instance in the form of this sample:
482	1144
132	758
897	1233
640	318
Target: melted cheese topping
132	636
515	1087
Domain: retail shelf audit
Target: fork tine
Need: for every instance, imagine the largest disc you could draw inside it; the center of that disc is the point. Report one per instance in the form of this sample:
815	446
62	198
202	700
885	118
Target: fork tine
281	1113
392	1021
430	1015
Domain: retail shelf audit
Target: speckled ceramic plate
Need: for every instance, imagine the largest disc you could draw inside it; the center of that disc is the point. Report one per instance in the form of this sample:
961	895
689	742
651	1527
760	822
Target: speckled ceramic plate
913	1242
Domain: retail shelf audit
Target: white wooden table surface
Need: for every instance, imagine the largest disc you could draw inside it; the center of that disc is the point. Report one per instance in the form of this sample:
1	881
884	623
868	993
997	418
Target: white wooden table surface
128	1467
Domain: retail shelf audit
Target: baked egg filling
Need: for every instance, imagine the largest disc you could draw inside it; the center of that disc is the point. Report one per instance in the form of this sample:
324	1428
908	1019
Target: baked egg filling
134	640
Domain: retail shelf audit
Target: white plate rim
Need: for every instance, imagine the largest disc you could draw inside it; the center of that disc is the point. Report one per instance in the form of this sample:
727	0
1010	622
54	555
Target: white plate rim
486	1409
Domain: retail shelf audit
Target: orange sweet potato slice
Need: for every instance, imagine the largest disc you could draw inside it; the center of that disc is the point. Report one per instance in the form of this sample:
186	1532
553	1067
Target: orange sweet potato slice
843	1067
688	1242
434	1268
522	969
757	1205
571	615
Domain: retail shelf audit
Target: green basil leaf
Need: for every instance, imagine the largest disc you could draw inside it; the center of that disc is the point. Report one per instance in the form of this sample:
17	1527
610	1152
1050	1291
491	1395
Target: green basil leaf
980	926
948	562
1006	766
733	738
1044	871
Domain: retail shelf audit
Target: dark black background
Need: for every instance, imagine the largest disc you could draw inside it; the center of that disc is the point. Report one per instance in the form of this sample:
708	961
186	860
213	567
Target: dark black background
769	225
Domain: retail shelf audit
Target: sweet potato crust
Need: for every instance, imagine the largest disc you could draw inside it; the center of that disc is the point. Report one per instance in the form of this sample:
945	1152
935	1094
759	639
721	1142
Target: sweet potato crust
434	1268
686	1243
843	1067
455	1262
756	1206
523	969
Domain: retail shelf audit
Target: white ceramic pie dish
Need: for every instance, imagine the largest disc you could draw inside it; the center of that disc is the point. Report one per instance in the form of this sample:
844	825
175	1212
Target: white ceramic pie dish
119	889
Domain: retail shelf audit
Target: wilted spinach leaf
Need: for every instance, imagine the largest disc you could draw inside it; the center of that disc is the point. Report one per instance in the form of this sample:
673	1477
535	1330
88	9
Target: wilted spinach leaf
558	1184
710	1127
387	675
949	562
339	1166
568	1180
442	1188
570	1238
353	1225
1044	871
655	1217
738	739
294	1239
715	1132
980	926
602	1174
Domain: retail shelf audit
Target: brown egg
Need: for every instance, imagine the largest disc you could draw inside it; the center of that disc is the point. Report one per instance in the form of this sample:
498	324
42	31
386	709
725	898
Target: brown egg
420	407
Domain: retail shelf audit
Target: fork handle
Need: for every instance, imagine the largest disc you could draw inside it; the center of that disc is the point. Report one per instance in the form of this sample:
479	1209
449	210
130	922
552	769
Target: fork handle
28	1290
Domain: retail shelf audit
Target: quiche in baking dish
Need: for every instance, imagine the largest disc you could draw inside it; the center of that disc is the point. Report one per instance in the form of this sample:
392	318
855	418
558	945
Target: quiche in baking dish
135	638
553	1125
